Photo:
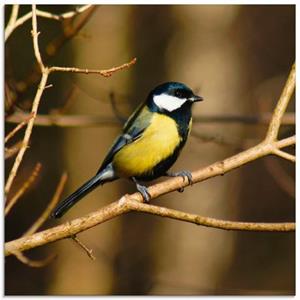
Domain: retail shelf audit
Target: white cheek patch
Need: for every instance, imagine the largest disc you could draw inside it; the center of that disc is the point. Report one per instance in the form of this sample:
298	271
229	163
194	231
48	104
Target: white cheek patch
168	102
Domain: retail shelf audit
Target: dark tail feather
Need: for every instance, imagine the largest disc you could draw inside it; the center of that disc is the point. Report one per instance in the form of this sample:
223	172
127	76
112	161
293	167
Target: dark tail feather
100	178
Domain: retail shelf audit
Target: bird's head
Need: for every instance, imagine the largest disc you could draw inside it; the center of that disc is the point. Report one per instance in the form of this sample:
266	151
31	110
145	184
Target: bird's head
171	96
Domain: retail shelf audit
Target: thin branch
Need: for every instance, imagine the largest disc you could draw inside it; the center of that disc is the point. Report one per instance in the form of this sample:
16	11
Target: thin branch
207	221
33	263
45	73
44	216
35	35
11	25
35	104
93	121
27	184
105	73
68	31
282	105
16	129
63	16
284	155
27	134
44	14
66	230
87	250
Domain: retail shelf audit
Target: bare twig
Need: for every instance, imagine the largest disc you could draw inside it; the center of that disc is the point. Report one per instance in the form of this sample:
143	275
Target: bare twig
40	221
88	251
33	263
45	73
105	73
63	16
206	221
35	104
70	228
281	106
16	129
69	31
35	35
11	25
27	134
18	22
284	155
23	189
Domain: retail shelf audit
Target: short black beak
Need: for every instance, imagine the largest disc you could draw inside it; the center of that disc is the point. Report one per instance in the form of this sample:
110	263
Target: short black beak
196	98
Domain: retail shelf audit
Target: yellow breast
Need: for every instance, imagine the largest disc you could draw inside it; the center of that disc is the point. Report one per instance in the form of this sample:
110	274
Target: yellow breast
157	143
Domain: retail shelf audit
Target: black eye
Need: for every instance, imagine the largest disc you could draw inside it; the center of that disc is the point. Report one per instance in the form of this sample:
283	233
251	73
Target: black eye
178	93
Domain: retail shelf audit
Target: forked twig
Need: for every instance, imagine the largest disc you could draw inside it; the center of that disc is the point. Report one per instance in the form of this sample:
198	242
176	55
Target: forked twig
18	22
43	83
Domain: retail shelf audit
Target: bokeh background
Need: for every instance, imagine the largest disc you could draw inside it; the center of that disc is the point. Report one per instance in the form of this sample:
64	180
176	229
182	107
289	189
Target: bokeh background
237	57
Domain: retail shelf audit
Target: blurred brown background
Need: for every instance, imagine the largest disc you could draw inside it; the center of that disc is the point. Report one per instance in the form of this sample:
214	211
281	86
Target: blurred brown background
238	57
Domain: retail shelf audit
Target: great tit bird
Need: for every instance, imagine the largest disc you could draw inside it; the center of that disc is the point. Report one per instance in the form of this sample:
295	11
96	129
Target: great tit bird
149	144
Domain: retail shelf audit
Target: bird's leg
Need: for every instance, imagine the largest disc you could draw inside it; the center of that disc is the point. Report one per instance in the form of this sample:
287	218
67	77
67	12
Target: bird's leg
143	190
183	174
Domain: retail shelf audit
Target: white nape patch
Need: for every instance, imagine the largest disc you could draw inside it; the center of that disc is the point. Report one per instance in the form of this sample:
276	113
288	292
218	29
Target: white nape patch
168	102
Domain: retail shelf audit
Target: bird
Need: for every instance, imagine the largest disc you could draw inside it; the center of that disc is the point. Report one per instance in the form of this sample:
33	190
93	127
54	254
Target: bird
149	144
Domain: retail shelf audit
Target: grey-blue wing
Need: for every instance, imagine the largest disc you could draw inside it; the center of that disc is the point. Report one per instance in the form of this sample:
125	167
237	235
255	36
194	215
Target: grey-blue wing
132	130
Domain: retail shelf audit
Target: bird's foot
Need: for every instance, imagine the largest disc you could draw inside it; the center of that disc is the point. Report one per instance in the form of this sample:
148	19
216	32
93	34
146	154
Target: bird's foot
183	174
143	190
